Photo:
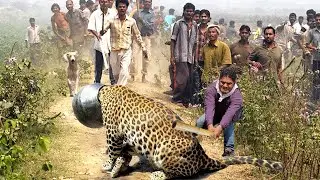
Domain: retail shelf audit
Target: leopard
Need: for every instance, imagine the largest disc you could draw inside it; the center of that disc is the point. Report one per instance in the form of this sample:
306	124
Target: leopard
138	125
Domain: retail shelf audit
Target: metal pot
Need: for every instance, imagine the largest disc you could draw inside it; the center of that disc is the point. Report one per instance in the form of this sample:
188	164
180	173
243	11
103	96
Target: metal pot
86	106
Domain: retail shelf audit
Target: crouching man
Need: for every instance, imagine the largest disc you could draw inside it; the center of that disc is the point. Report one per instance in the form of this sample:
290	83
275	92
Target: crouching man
223	107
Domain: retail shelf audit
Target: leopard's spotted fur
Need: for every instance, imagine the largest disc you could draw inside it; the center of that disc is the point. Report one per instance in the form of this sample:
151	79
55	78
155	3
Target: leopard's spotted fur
139	125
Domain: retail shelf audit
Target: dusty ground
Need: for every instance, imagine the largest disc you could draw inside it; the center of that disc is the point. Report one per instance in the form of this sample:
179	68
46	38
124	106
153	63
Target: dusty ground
77	152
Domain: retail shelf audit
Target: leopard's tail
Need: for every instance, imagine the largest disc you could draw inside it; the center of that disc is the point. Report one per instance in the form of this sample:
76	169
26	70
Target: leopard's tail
277	166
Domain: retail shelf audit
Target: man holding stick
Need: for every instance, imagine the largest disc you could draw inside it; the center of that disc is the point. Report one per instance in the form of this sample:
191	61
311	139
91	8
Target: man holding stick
223	107
102	42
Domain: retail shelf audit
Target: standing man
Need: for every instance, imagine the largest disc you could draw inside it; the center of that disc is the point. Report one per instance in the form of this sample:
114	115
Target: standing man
169	19
33	40
78	24
202	41
183	49
267	57
216	55
60	27
292	27
258	33
203	37
85	10
231	32
196	16
145	19
300	21
161	13
122	29
292	31
136	63
102	42
223	30
86	13
159	16
241	50
313	43
159	27
90	5
311	22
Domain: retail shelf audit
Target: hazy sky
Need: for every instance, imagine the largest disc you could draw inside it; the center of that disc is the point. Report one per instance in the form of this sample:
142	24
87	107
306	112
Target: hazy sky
217	7
278	4
244	3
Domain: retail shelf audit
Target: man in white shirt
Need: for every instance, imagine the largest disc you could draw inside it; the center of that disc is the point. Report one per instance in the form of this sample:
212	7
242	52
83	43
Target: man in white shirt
304	27
85	10
102	43
33	40
292	27
292	33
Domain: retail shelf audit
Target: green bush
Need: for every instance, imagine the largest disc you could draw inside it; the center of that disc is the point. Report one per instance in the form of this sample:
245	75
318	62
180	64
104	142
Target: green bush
25	90
273	127
23	102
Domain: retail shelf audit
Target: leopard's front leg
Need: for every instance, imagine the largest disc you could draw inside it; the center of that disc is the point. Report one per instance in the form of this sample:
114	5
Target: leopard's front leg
121	164
114	148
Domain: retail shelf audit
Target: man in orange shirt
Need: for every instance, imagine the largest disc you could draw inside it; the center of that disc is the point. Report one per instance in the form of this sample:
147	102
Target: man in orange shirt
60	27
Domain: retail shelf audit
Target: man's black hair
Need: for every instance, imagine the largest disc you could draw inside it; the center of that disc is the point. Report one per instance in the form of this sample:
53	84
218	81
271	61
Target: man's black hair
55	5
126	2
311	11
171	11
205	11
32	20
269	27
293	14
89	2
245	27
228	71
189	6
197	12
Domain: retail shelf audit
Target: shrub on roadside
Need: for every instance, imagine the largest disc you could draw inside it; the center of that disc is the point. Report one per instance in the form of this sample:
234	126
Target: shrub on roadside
273	127
23	102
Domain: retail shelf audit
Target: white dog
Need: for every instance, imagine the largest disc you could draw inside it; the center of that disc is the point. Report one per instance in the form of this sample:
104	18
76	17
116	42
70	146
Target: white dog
72	72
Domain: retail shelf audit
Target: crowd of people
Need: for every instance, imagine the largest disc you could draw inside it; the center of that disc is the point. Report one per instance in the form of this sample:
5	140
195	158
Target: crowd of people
203	55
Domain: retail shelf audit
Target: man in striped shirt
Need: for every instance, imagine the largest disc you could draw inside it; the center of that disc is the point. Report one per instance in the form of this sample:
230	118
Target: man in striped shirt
122	29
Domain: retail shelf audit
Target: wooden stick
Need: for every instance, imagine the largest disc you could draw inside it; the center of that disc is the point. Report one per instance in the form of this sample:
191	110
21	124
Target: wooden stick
138	6
105	62
103	19
181	126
